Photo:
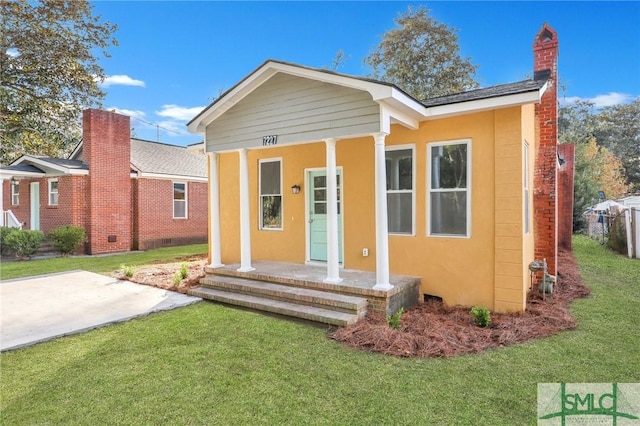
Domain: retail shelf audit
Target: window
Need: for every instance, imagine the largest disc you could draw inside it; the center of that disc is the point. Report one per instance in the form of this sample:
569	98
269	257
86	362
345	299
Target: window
15	193
53	192
270	194
526	189
448	183
179	200
400	184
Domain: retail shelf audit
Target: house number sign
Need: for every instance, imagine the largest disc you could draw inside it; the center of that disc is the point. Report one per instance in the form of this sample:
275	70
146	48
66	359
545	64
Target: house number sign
269	140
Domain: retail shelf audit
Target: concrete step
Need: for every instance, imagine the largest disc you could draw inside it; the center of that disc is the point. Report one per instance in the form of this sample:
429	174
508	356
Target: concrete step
307	312
341	302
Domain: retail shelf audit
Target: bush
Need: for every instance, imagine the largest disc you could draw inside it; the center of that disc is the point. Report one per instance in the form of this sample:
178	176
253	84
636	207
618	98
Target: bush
482	316
394	320
4	232
66	239
127	270
184	271
24	243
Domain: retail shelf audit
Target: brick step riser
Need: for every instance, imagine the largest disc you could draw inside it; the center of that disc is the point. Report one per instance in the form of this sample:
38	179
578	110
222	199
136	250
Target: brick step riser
292	282
261	304
317	301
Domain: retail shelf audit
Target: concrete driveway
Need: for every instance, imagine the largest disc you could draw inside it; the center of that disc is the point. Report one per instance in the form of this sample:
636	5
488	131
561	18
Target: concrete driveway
41	308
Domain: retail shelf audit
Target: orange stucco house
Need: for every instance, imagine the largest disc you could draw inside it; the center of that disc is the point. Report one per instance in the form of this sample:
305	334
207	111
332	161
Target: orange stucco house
312	167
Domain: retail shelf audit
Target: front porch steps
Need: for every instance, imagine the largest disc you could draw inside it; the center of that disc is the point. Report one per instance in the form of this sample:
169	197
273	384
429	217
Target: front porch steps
310	304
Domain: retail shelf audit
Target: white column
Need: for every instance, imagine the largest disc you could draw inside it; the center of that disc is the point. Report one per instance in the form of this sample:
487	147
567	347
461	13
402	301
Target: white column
2	201
382	227
214	211
245	220
333	259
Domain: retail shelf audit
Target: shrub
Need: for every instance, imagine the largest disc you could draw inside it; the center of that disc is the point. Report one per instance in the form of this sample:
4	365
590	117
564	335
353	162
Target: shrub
184	272
482	316
4	232
177	278
24	243
394	320
127	270
66	239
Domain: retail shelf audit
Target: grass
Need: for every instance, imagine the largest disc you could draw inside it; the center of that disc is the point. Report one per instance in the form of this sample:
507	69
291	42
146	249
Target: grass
210	364
99	264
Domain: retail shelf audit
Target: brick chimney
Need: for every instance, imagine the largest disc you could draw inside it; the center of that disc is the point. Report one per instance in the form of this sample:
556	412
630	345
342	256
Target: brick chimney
545	194
107	150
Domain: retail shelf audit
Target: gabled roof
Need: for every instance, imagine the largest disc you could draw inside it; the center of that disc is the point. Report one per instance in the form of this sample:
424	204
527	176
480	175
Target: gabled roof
154	158
394	102
53	166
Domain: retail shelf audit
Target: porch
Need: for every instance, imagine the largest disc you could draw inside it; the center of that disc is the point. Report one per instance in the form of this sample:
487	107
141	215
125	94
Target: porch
301	291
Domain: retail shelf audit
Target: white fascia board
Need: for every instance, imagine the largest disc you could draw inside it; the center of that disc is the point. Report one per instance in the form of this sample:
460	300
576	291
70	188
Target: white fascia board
141	175
8	174
444	111
55	167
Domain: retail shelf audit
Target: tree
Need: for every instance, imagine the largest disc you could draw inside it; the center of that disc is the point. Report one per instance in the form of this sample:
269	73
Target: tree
48	74
421	57
596	169
619	132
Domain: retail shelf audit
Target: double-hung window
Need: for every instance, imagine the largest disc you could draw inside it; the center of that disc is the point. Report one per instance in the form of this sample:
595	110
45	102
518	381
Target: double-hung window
179	200
400	189
15	193
449	179
53	192
270	194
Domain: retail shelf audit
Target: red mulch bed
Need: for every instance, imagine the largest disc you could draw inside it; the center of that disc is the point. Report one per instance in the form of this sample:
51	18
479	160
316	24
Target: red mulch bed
434	330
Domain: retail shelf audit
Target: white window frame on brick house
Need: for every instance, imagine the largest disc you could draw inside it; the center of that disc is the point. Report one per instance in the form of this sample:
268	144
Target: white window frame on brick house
270	191
394	191
526	189
433	180
53	192
179	201
15	193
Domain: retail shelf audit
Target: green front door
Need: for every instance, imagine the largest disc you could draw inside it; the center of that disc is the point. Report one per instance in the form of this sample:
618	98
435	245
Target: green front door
317	204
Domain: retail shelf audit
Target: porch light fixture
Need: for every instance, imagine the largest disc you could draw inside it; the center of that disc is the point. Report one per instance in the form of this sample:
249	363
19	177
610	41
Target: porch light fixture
14	180
295	189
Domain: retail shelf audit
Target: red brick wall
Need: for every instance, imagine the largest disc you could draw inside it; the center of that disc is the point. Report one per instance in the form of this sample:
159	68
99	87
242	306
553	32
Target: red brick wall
545	50
565	195
153	213
106	148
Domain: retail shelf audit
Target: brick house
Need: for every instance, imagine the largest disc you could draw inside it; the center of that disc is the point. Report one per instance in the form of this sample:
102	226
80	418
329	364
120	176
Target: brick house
316	168
127	193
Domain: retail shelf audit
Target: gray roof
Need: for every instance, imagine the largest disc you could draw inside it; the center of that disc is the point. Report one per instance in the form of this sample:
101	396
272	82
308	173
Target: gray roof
486	93
23	168
69	164
160	158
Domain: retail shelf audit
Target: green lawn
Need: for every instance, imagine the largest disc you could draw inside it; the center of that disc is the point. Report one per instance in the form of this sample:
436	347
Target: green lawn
99	264
210	364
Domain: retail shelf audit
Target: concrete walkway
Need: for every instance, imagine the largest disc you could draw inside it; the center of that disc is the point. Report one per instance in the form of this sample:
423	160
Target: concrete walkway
44	307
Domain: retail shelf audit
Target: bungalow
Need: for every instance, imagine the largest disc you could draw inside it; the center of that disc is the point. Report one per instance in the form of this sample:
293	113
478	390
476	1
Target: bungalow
127	193
313	167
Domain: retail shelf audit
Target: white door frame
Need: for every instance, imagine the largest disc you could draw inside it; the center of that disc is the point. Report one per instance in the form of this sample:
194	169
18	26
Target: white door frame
307	218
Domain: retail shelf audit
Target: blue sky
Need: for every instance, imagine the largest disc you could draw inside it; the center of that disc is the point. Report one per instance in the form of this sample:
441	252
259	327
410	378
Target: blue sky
176	57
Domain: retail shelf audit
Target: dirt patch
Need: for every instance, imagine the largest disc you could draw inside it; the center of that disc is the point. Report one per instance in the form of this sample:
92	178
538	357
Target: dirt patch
162	275
434	330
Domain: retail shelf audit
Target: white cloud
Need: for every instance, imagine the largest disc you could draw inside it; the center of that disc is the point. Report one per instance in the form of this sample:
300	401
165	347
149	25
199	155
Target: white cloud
121	80
131	113
174	127
599	101
179	113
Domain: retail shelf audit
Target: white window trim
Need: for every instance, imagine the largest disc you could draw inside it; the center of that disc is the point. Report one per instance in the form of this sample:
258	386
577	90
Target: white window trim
430	145
15	196
412	147
260	195
526	190
50	192
186	199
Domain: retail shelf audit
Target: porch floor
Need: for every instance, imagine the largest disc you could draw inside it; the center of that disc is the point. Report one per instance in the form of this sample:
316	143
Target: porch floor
404	293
